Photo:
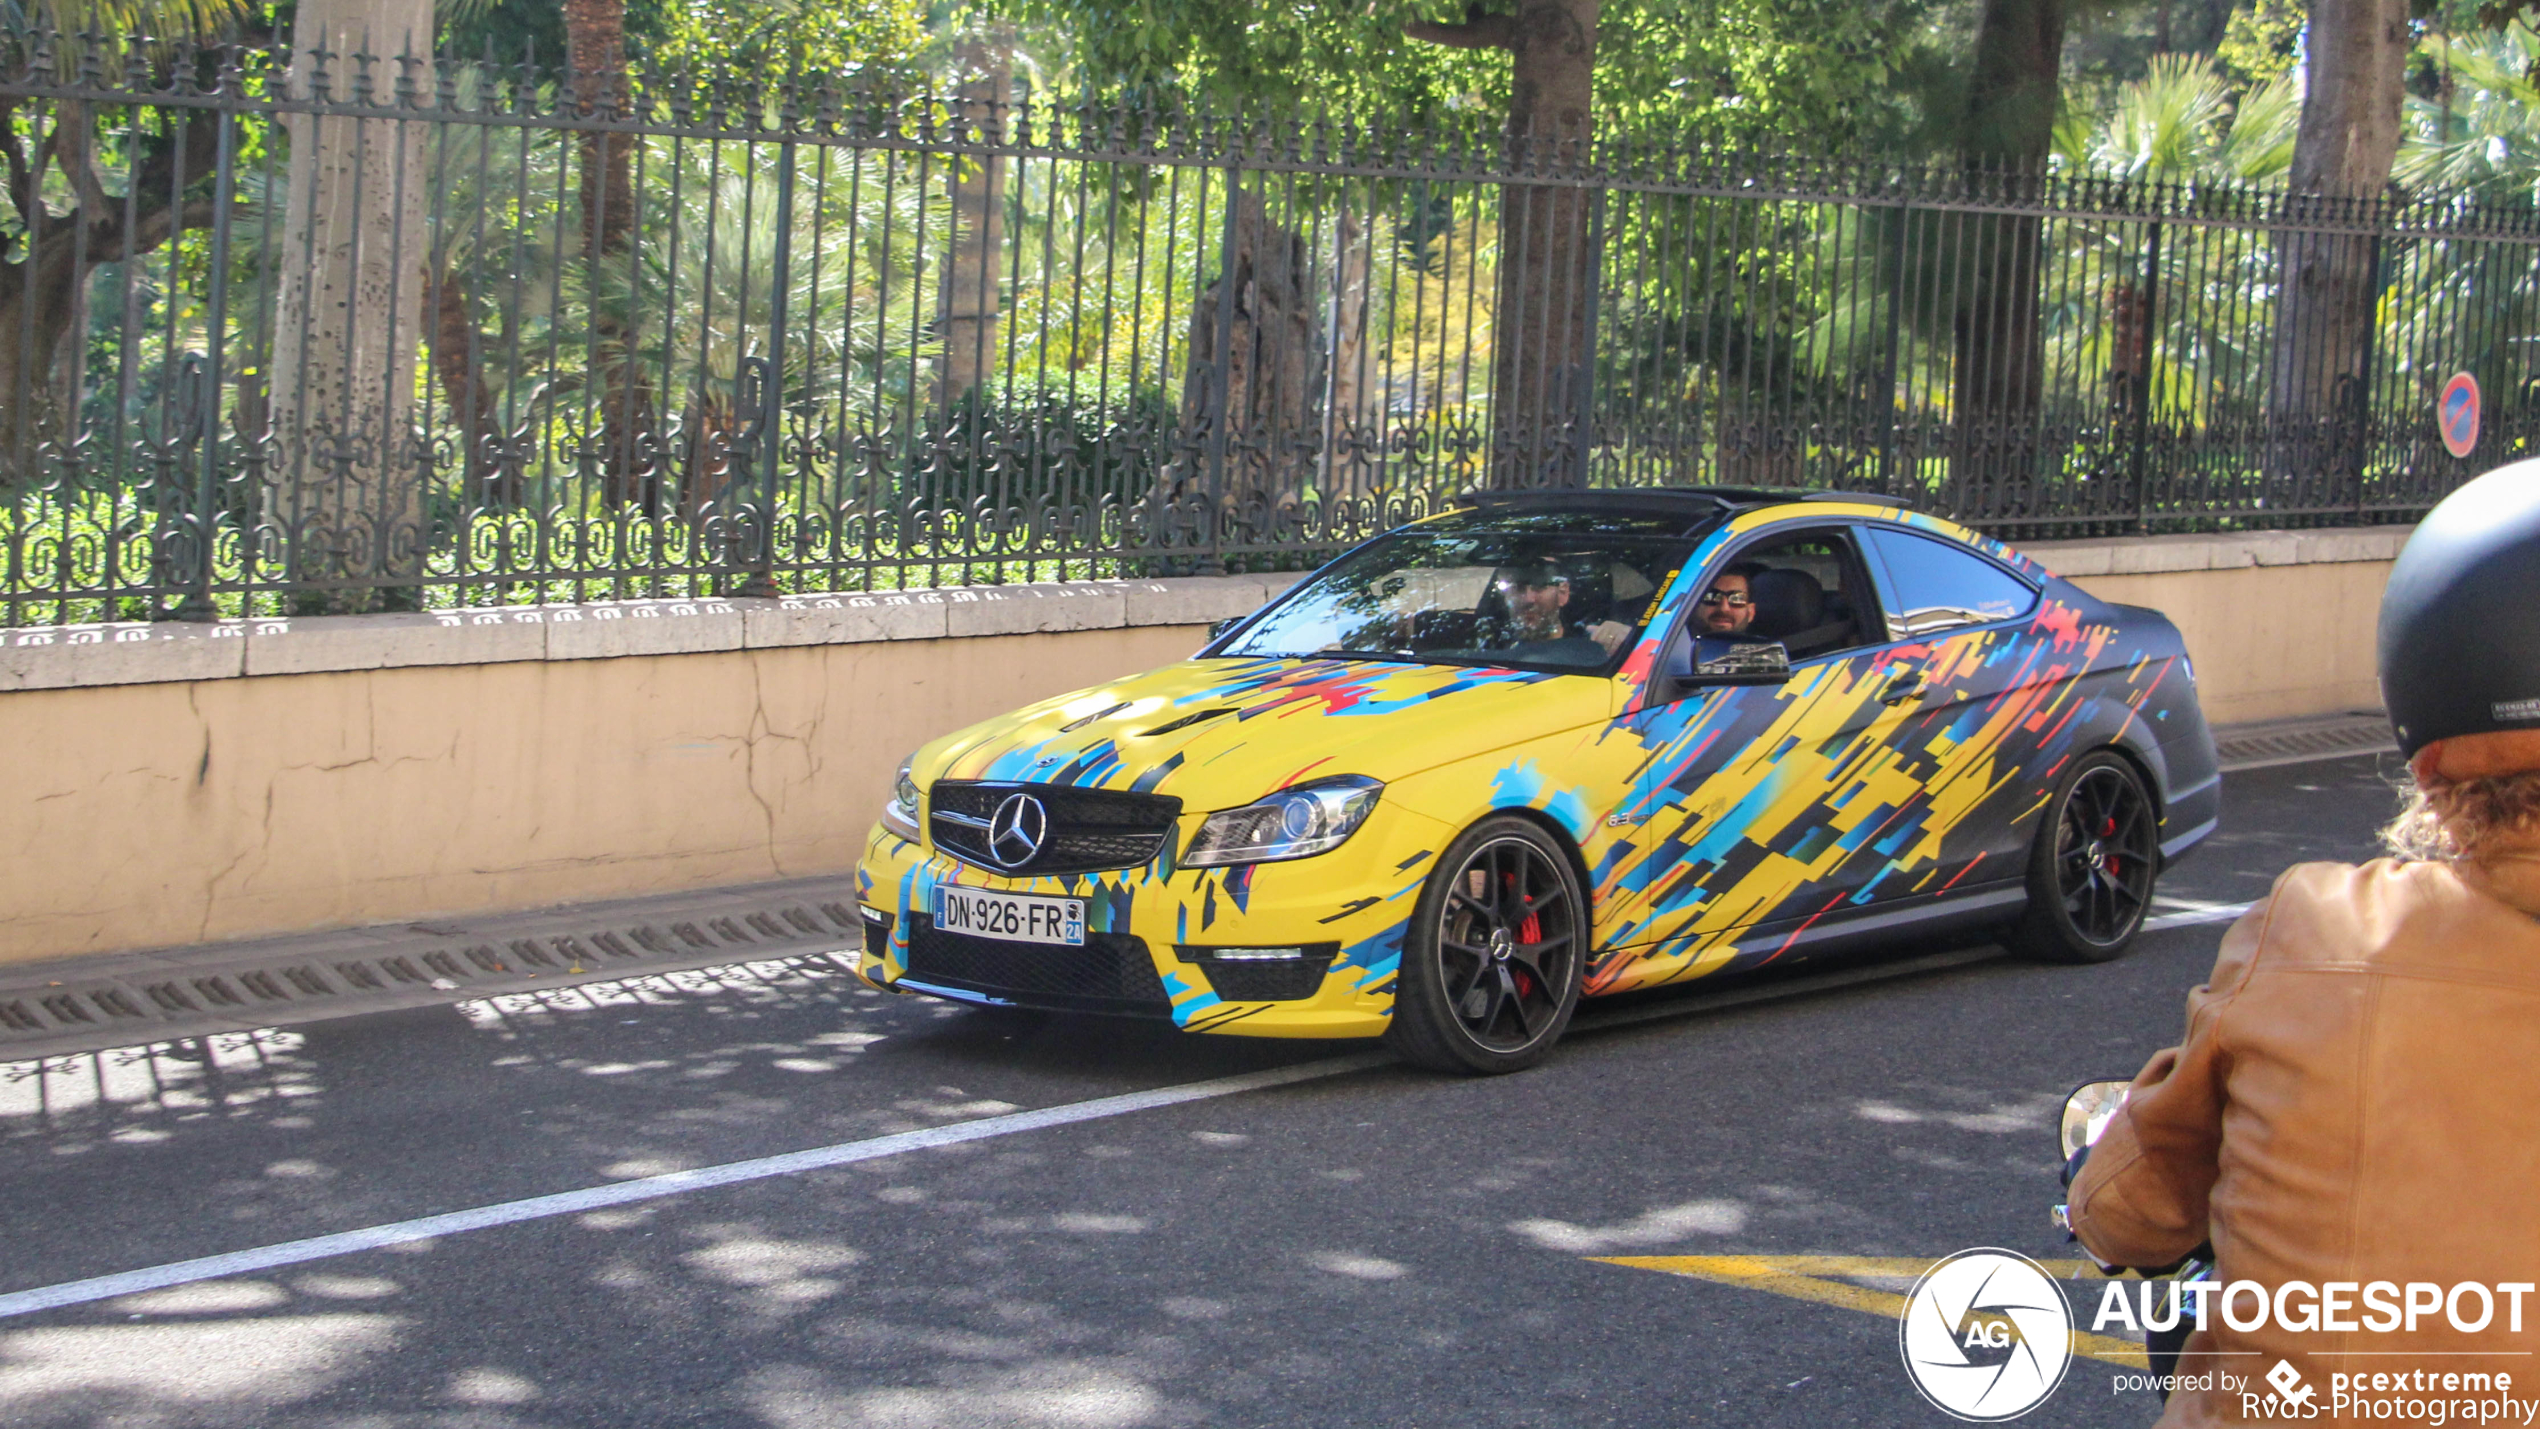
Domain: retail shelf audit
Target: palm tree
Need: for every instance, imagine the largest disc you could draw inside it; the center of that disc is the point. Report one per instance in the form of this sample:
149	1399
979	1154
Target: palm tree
595	37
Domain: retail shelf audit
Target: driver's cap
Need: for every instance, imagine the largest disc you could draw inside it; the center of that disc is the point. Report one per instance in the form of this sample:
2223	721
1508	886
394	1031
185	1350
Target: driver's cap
1541	571
2460	618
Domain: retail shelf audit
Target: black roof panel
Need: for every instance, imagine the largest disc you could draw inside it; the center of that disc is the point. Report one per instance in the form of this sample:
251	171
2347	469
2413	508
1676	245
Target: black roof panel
1671	510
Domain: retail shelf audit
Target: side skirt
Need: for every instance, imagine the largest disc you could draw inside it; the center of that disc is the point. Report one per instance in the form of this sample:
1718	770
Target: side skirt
1786	941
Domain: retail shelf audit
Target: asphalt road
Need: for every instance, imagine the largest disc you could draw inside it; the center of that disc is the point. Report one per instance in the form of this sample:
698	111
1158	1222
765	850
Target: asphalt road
1376	1246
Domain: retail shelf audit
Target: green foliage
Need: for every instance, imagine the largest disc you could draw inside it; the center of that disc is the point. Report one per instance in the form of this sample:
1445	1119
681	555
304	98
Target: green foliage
869	42
2492	148
502	31
1015	447
2262	43
874	42
1348	55
1812	75
1791	73
112	19
2180	121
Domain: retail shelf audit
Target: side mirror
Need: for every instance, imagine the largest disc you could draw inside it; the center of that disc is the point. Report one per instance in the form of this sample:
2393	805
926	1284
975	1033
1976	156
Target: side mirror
2087	1113
1220	629
1708	660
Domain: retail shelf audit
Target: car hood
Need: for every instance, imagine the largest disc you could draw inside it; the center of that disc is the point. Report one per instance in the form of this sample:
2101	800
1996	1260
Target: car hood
1223	732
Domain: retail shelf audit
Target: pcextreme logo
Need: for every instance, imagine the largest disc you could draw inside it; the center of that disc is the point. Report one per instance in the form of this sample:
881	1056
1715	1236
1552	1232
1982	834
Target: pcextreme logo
1986	1335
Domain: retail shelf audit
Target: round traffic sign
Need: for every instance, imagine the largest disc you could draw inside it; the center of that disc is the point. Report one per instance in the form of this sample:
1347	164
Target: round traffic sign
2456	414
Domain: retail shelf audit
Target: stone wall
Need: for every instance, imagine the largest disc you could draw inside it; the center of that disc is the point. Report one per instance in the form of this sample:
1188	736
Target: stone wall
174	783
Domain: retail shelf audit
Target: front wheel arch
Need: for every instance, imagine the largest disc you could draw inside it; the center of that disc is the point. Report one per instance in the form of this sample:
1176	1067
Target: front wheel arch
1514	860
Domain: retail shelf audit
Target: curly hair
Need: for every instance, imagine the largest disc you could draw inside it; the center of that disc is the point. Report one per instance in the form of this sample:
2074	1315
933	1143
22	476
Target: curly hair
2446	819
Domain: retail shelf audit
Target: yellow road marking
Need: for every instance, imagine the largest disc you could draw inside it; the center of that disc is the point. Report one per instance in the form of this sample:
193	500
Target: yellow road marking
1827	1280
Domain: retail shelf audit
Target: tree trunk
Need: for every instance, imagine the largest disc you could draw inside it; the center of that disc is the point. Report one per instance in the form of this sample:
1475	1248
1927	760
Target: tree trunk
1541	336
70	362
1352	445
2357	53
971	298
1265	347
35	316
43	292
348	486
40	292
595	37
1998	377
708	470
455	345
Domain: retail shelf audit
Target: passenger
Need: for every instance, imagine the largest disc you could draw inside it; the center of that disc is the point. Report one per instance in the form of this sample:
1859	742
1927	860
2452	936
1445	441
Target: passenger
1728	607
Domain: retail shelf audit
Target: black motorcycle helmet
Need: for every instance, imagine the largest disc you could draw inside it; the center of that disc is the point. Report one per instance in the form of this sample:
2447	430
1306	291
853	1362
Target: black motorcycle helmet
2460	619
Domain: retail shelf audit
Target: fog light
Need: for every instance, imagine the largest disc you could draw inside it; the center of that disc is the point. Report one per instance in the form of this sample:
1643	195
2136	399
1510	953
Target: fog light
873	914
1247	955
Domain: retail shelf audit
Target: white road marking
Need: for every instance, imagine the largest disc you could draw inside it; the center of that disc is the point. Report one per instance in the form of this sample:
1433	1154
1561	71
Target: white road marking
619	1193
566	1203
2208	913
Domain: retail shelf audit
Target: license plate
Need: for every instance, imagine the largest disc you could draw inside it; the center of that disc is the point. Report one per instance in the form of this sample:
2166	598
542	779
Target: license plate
1010	917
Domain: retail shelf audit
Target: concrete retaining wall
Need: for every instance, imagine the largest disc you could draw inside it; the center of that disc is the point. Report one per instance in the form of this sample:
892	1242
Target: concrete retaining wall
172	784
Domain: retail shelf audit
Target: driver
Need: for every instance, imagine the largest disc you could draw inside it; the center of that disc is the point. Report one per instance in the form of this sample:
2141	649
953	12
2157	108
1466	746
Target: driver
1537	592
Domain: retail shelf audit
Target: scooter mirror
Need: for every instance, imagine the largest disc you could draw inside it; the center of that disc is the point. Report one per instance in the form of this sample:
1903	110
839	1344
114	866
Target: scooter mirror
2086	1113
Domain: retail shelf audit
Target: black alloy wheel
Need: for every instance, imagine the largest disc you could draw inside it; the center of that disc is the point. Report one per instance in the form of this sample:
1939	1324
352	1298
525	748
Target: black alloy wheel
1491	965
2091	871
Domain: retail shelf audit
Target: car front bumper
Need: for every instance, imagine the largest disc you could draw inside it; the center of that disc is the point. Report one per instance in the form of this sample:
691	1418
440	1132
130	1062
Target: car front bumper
1156	936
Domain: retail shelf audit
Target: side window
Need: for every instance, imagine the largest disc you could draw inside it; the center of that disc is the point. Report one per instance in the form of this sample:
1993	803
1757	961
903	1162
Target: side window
1807	590
1936	586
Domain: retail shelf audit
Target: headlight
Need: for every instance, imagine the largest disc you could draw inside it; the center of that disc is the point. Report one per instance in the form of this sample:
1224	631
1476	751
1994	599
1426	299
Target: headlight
1293	823
900	815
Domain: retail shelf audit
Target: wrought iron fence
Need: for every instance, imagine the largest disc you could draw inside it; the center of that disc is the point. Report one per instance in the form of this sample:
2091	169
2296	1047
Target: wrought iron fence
329	331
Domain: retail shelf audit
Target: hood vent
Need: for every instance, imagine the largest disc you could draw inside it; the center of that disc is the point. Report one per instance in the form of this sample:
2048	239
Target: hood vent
1104	713
1186	721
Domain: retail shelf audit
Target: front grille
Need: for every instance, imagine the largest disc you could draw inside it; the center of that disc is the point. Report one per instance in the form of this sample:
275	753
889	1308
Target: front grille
1110	973
1090	830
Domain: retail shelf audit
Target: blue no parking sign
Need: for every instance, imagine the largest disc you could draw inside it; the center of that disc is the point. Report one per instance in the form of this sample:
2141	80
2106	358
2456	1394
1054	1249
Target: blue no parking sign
2456	413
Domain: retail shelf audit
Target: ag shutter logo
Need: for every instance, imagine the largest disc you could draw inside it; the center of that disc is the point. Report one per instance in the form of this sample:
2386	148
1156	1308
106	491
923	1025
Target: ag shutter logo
2289	1386
1986	1335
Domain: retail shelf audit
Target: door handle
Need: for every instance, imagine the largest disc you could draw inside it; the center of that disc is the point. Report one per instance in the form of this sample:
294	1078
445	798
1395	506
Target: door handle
1901	689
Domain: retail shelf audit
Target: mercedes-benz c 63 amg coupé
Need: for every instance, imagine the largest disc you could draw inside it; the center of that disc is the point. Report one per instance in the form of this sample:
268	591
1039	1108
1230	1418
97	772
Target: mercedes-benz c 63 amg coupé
1547	746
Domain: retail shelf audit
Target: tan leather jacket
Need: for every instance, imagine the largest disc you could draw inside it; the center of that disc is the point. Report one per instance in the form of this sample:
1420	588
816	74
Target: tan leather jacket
2358	1099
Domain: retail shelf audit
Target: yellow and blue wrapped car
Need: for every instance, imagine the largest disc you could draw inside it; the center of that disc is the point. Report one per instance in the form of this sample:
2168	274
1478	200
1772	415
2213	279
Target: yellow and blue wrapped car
1552	745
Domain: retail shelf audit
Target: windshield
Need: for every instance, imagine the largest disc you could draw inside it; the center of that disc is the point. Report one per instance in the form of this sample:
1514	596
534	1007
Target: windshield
1538	600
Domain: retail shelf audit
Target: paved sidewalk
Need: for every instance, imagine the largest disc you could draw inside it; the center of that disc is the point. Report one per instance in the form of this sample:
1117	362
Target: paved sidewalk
89	1004
2295	741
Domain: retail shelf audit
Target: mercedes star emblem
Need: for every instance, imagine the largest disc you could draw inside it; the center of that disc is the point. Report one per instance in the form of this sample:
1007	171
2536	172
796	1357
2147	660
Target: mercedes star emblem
1016	830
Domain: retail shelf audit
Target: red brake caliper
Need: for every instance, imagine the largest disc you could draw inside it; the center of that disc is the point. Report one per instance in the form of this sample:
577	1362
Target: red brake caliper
1530	931
2109	861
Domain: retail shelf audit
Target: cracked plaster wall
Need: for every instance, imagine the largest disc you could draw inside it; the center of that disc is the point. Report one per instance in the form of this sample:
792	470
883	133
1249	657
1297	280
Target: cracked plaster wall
152	815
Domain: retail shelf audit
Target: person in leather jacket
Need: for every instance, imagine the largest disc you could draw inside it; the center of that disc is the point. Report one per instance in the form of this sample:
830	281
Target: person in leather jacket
2354	1103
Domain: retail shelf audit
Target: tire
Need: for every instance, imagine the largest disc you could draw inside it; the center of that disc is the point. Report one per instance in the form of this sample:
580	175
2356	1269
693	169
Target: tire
1492	964
2092	866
